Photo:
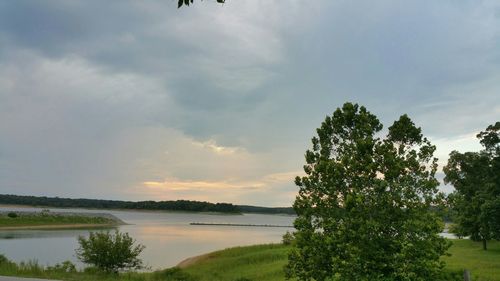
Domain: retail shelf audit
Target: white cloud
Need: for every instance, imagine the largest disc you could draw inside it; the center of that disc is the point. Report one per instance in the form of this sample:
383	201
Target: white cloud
232	189
461	143
218	149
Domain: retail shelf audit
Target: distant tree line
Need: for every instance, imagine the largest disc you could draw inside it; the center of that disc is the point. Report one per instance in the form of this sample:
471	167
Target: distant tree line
178	205
266	210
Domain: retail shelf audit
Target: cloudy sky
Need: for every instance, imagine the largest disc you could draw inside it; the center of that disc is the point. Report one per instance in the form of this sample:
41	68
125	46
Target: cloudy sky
139	100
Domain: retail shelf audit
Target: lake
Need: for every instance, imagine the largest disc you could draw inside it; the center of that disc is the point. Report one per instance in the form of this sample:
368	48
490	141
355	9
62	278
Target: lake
168	236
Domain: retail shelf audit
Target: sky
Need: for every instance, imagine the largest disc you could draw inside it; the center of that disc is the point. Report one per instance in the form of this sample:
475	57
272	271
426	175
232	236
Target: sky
139	100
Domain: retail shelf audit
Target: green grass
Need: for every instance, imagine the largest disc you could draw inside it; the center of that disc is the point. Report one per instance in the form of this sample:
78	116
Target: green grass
265	262
42	219
257	263
260	262
467	254
61	272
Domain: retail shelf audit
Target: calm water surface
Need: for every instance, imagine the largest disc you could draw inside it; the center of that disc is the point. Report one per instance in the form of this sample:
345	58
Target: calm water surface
168	237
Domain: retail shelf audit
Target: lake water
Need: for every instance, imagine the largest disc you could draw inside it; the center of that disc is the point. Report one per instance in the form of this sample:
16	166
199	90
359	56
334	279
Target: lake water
168	236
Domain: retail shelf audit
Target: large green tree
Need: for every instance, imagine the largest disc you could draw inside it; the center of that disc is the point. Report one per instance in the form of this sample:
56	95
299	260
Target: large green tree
476	178
364	204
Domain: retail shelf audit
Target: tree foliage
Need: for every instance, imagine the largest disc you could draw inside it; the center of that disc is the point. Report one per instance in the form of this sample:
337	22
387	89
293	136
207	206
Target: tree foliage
110	252
364	204
181	3
178	205
12	215
476	178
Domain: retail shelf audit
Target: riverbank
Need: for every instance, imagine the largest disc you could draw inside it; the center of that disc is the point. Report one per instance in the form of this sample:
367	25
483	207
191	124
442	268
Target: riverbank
57	226
26	220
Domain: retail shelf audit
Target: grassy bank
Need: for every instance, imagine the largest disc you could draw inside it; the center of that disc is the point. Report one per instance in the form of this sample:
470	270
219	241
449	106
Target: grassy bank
31	220
466	254
266	262
260	262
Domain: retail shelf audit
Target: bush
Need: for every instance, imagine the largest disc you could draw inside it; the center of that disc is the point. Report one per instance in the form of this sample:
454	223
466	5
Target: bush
288	238
457	230
64	267
12	215
449	275
3	259
31	266
110	252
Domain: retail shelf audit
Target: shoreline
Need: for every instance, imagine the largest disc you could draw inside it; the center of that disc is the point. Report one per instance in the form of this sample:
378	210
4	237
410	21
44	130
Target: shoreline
192	260
110	221
57	226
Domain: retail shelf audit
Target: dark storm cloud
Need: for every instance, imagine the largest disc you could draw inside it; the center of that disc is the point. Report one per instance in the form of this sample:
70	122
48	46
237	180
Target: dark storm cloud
56	28
108	95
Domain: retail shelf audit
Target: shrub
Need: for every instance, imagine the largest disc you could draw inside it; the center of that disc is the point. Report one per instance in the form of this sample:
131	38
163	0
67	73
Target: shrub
110	252
12	215
288	238
30	266
3	259
64	267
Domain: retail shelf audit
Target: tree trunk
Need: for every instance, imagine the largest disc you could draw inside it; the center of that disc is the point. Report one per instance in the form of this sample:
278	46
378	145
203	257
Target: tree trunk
484	244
